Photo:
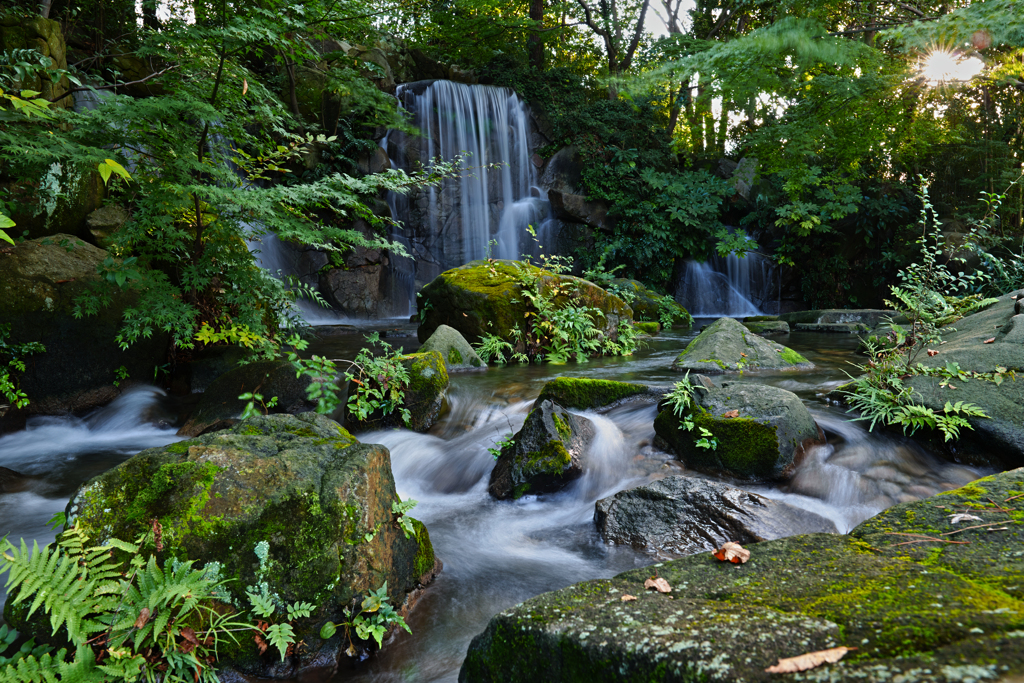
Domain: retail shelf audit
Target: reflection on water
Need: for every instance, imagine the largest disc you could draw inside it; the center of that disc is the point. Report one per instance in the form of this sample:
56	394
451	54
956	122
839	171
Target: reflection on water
499	553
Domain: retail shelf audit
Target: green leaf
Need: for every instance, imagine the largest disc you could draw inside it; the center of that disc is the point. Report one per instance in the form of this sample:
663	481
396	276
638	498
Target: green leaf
328	630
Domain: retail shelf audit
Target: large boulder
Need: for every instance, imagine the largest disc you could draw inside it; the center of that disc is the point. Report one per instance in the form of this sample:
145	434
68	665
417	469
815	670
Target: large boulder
761	431
590	394
458	355
545	455
648	305
767	328
997	440
20	32
424	397
727	346
220	406
320	501
678	516
39	282
930	610
486	297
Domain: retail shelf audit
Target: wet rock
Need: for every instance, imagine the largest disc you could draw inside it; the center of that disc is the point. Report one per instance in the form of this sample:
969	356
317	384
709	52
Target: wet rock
485	297
727	346
916	612
11	481
578	209
457	353
764	441
39	282
836	328
105	221
678	516
320	501
768	328
869	317
590	394
424	397
220	406
545	455
649	305
358	291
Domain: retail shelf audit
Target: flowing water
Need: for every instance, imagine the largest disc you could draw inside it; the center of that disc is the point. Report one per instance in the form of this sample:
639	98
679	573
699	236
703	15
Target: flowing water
497	554
732	285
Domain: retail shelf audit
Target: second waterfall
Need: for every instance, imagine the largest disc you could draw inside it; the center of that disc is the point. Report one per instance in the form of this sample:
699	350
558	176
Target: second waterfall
487	210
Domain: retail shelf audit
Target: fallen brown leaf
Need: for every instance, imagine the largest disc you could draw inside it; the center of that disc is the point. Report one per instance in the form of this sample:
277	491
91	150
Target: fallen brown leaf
932	352
731	413
732	552
245	86
989	341
810	660
261	643
659	584
143	617
628	598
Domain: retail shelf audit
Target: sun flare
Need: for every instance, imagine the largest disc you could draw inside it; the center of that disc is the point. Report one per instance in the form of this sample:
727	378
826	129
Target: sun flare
943	66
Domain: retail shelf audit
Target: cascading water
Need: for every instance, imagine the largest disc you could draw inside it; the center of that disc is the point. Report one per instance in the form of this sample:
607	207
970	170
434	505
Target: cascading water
732	286
484	212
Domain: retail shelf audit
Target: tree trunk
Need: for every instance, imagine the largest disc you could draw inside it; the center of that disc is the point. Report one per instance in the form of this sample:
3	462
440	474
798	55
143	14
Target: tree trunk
536	45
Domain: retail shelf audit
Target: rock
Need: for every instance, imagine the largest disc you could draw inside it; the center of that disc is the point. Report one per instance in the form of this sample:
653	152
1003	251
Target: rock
836	328
563	171
764	442
424	398
769	328
357	291
744	176
376	161
545	455
19	32
590	394
998	440
871	317
458	355
302	485
11	481
220	406
39	282
648	304
650	329
678	516
576	208
484	297
105	221
74	192
917	612
134	68
727	346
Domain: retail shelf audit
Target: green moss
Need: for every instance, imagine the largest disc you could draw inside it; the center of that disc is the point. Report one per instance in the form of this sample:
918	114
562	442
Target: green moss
584	394
425	559
792	357
745	446
561	427
717	362
250	430
427	374
521	490
648	328
455	356
551	459
179	448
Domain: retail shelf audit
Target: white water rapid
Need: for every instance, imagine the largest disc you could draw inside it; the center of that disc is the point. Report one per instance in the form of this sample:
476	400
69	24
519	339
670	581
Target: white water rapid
733	286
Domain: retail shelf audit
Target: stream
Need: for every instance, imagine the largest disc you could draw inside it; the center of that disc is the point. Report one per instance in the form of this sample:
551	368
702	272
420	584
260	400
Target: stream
497	554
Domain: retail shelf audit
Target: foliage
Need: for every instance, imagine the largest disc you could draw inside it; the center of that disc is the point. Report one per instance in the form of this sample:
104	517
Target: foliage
683	404
12	360
380	382
250	409
399	508
500	445
374	617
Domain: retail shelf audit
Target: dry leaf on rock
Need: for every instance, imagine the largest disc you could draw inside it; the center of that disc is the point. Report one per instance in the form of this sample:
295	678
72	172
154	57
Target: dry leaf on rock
628	598
659	584
963	517
809	661
731	413
989	341
732	552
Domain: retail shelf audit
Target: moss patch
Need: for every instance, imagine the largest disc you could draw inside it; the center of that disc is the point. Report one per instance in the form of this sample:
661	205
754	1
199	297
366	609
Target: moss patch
586	394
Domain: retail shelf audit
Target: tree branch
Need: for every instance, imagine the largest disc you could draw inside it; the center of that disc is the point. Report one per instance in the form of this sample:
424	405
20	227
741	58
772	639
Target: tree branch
116	85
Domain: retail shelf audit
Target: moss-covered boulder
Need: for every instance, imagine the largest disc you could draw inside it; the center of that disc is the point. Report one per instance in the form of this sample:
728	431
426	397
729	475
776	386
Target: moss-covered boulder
458	355
727	346
220	406
39	282
486	297
649	305
545	455
767	328
424	398
45	37
650	329
678	516
920	611
319	500
758	432
997	440
590	394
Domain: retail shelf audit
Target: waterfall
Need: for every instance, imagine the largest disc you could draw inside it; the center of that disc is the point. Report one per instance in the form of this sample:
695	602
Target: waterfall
486	211
732	286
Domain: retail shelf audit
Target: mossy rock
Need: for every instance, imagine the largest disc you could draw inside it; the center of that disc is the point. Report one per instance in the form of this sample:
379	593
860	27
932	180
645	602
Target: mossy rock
320	500
589	394
727	346
650	329
424	398
929	611
220	406
647	304
40	280
46	37
762	443
768	328
485	297
545	455
458	355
